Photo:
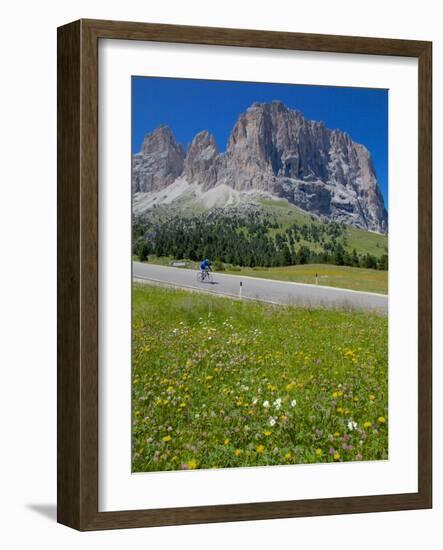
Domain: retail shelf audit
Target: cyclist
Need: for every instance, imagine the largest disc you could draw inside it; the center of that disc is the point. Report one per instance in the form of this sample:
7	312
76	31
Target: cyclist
205	266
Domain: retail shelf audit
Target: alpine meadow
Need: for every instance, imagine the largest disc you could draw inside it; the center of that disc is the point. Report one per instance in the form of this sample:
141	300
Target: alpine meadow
260	274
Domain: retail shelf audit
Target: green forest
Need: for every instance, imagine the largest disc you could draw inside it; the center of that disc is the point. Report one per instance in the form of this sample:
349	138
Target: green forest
250	238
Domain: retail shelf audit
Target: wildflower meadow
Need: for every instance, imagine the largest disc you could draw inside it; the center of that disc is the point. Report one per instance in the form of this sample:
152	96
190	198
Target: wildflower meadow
220	383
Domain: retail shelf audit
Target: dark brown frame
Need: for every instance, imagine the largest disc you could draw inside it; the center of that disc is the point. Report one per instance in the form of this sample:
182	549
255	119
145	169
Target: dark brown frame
77	452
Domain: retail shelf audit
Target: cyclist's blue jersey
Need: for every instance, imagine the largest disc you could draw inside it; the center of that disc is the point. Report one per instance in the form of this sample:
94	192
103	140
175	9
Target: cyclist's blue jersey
204	265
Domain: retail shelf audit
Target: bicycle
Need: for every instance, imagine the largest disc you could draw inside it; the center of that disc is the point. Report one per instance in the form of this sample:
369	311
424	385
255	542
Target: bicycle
204	275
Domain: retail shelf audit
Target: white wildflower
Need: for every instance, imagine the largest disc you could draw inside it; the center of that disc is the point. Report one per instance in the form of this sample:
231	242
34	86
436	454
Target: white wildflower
352	425
293	403
266	404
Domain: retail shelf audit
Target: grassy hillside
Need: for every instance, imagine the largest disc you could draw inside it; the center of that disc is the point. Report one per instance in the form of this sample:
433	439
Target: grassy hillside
365	242
354	278
221	383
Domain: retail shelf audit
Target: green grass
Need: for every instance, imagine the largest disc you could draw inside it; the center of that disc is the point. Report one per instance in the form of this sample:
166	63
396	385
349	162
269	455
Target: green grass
363	241
168	261
367	242
222	383
286	213
354	278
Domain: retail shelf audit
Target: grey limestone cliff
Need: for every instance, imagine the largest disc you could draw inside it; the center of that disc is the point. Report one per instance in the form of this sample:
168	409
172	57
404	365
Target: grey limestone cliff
159	162
273	150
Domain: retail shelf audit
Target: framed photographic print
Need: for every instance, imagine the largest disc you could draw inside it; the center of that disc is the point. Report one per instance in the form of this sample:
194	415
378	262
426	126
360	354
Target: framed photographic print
244	275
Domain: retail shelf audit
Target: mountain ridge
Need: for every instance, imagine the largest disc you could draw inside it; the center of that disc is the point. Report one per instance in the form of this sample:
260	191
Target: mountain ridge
272	151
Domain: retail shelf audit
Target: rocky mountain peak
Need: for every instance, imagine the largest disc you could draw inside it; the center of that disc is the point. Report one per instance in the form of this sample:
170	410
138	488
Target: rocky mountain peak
159	162
161	139
275	150
200	160
203	142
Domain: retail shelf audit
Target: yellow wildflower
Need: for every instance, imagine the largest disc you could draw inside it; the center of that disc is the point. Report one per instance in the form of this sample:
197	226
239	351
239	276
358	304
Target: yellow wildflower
237	452
167	438
192	464
381	419
367	424
336	456
267	433
260	449
226	442
318	452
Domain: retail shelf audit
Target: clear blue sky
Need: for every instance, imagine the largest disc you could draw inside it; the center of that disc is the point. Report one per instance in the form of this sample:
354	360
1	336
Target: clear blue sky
189	106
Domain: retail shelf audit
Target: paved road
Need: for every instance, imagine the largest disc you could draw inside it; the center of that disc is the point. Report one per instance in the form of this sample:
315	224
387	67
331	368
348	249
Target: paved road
279	292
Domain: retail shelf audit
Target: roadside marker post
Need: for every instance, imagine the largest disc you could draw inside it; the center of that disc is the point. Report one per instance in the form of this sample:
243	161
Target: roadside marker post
240	290
316	278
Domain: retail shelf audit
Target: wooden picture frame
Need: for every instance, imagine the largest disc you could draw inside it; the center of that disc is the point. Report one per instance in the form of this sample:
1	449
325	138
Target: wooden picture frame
78	244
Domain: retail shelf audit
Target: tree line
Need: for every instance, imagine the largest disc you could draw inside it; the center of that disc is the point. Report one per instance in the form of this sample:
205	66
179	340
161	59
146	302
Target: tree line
248	239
